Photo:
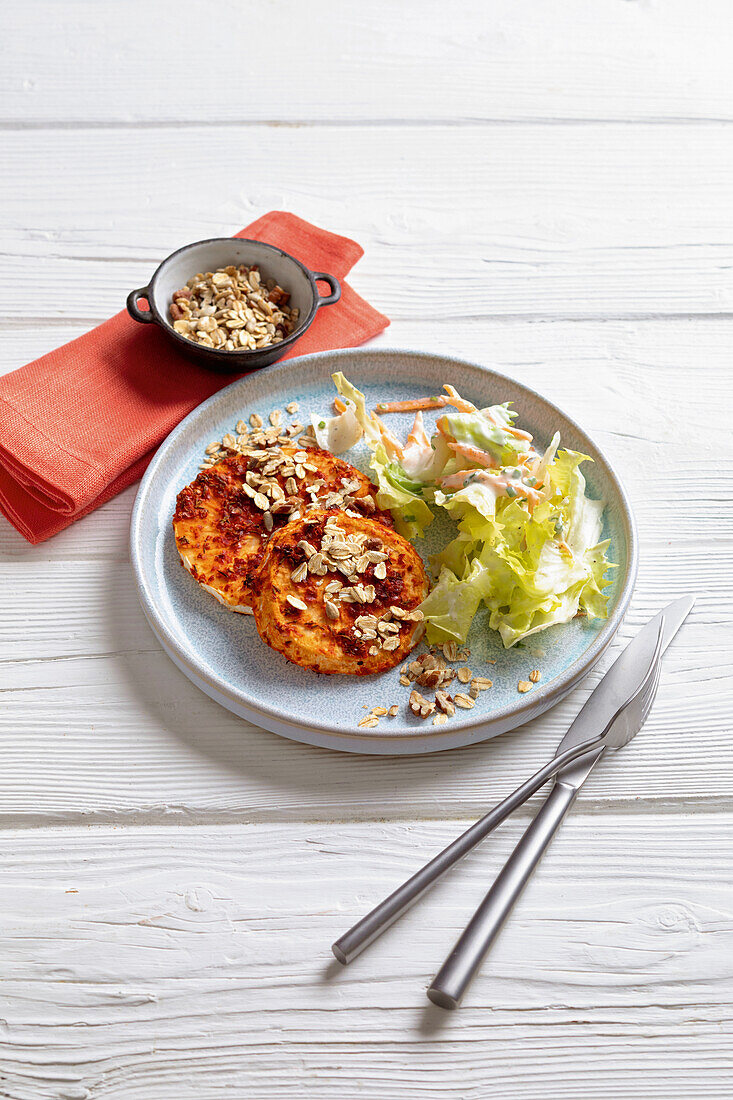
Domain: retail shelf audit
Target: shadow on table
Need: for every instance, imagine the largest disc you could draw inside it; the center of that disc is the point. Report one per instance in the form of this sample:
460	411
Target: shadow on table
285	772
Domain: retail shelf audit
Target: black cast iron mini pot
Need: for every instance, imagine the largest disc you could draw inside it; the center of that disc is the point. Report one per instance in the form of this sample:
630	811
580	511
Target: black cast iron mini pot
218	252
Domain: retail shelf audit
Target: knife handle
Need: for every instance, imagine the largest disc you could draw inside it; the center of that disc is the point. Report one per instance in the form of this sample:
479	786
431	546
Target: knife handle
366	930
457	971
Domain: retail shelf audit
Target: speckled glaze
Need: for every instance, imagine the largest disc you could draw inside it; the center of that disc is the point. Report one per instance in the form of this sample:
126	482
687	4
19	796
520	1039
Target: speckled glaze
222	653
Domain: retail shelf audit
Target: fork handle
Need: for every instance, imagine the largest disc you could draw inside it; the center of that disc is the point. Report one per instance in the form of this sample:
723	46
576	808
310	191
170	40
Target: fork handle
366	930
457	972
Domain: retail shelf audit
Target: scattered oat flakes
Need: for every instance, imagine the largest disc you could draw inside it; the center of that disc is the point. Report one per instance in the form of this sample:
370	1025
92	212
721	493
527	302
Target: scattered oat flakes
482	683
535	675
464	701
291	407
464	675
393	711
368	722
379	711
439	719
524	685
300	573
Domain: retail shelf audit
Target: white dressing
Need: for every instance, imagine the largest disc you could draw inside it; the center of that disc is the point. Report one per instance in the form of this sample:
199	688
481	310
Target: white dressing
337	433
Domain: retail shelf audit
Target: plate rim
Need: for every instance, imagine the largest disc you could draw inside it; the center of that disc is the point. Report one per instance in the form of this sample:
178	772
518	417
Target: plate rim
386	742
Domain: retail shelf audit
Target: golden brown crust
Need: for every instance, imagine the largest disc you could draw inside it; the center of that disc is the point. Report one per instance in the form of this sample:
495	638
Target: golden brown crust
331	558
221	527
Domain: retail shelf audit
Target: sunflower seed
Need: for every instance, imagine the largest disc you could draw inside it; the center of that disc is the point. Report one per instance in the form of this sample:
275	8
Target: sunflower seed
331	610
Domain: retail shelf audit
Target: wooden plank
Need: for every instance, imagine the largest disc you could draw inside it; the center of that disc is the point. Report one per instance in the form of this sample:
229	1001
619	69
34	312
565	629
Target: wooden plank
118	732
459	226
177	962
298	63
97	723
627	383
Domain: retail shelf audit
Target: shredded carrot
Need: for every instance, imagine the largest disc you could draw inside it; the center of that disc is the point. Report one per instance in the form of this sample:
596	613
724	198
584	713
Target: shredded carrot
455	399
417	433
416	405
454	481
475	454
498	481
451	397
516	432
391	442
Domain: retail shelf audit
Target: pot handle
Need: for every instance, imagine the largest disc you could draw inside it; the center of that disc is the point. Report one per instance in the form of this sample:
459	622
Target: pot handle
335	285
144	317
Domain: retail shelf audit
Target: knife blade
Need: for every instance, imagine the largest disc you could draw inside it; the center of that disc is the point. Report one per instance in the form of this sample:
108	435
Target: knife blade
619	684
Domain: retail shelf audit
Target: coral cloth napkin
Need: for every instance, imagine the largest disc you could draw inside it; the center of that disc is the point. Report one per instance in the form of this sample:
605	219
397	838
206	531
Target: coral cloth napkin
80	424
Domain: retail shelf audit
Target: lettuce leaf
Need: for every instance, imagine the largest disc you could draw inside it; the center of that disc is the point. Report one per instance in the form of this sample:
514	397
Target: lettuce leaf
356	398
453	602
531	569
400	495
478	430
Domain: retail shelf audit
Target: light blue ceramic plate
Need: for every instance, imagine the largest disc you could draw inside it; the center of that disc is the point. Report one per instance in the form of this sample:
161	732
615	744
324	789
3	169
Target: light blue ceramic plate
222	653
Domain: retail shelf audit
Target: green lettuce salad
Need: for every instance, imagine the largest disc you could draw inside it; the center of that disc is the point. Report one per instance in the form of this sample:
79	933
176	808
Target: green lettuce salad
527	544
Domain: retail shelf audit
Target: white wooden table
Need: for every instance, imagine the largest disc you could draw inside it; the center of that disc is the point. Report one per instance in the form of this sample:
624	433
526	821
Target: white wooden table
542	185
